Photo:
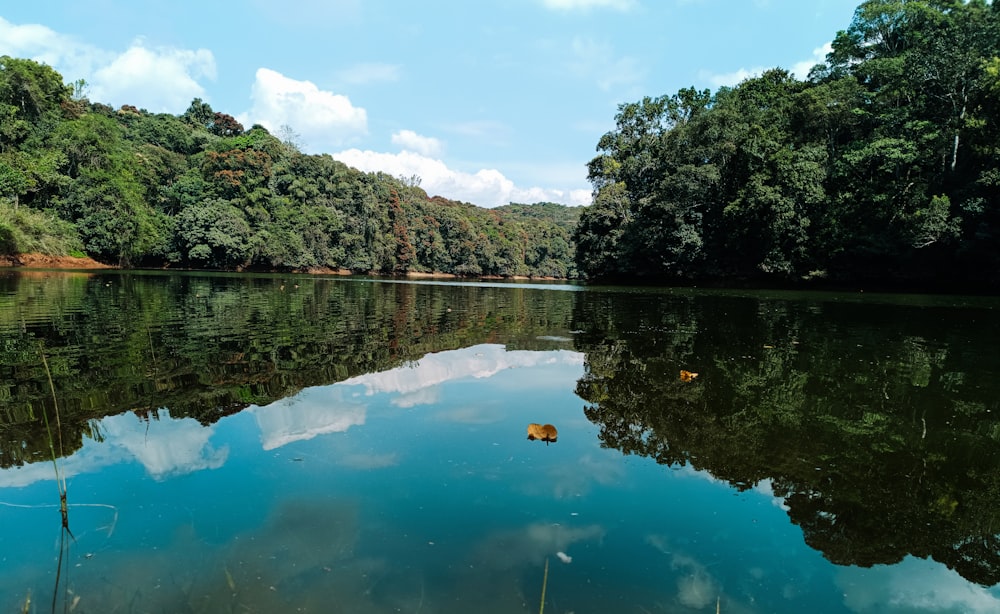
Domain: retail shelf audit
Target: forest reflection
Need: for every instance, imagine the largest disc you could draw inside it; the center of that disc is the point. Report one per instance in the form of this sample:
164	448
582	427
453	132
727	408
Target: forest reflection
877	424
874	419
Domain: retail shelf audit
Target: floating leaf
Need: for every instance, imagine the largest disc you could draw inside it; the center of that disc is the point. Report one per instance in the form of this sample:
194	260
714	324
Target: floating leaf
545	432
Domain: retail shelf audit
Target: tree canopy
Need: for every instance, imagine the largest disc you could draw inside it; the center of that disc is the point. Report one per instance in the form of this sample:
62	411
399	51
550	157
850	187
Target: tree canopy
199	190
882	165
880	168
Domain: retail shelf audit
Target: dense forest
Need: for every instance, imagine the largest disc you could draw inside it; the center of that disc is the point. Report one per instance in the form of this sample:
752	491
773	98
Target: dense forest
882	166
138	189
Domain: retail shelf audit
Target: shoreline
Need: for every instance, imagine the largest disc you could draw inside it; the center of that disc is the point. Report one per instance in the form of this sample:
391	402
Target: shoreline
43	261
69	263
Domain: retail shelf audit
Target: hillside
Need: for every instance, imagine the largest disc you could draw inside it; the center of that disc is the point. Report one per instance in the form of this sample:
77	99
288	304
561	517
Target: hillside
137	189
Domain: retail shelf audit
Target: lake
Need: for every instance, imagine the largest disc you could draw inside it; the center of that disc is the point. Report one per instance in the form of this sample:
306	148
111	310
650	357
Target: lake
268	443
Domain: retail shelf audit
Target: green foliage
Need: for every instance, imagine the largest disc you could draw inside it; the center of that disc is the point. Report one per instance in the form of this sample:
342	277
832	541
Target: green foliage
215	234
879	167
31	99
197	190
25	230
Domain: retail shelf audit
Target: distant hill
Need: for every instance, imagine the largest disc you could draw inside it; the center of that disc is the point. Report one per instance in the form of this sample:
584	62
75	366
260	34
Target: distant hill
199	191
561	215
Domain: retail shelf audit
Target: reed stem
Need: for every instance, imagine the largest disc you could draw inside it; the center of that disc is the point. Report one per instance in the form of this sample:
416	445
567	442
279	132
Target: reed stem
545	582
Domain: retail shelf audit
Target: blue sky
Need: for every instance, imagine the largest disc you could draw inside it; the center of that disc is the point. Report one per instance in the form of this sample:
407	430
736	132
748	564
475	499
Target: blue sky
487	102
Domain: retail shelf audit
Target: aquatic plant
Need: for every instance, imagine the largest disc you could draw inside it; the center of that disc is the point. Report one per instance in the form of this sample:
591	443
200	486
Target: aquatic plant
60	479
545	582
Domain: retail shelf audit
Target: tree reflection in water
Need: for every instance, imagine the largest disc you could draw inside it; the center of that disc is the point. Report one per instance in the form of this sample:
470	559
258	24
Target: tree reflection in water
878	424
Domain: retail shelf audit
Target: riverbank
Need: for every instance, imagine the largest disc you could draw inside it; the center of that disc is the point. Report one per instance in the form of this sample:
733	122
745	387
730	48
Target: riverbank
44	261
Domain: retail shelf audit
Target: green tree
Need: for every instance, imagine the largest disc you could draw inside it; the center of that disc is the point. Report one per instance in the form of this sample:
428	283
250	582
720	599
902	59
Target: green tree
105	198
31	99
215	234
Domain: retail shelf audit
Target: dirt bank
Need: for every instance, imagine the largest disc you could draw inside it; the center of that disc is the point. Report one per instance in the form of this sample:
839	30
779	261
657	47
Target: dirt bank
41	261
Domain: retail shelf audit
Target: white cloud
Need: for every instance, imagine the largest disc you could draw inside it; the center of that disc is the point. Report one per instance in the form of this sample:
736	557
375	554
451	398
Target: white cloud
73	59
730	79
800	70
574	5
370	72
411	141
160	80
324	119
597	61
486	187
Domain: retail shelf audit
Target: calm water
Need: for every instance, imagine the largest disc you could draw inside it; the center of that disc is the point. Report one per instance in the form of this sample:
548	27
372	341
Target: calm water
290	444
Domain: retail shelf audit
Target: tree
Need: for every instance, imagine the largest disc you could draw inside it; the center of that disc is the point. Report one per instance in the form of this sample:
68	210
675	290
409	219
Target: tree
225	125
405	254
31	95
215	234
104	196
199	114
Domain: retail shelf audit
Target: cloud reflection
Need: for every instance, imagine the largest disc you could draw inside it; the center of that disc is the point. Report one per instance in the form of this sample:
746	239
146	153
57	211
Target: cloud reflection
576	479
914	585
370	461
532	544
314	411
471	415
696	587
424	396
479	361
336	408
165	447
89	459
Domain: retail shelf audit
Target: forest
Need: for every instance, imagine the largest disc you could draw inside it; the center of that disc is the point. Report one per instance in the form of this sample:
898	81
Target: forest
198	191
881	168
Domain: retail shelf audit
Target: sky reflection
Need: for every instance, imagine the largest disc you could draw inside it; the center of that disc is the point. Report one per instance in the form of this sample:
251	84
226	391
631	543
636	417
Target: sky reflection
416	488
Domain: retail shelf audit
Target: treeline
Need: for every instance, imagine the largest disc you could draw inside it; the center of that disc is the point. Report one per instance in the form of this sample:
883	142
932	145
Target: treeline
882	166
139	189
143	342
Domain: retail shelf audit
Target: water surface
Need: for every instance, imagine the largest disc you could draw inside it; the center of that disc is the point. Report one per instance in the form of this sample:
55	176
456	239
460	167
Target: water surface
276	444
